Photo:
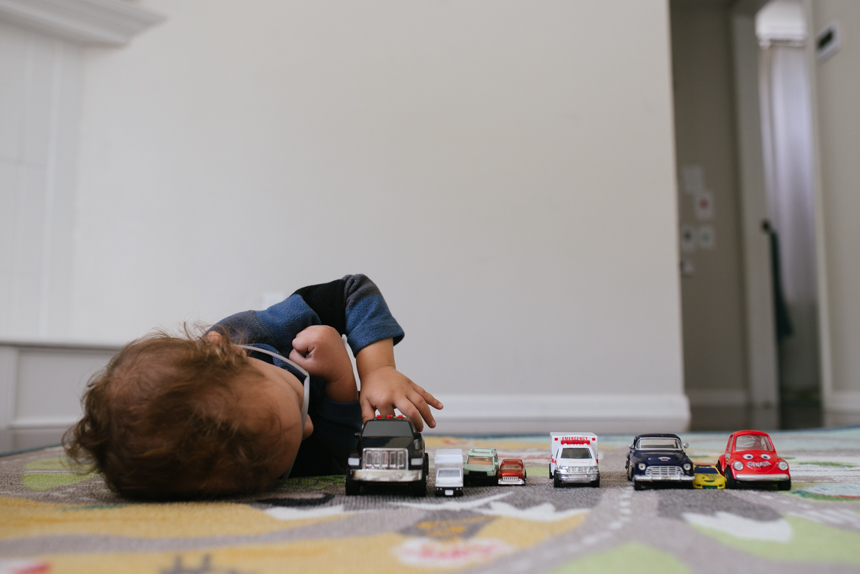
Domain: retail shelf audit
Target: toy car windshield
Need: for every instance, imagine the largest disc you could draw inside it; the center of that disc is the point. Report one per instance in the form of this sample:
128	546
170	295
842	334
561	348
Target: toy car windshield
386	428
575	452
659	444
480	460
448	473
511	467
753	442
706	470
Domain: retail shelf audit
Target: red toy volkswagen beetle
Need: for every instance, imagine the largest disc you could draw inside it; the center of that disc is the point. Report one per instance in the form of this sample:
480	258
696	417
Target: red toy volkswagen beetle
751	458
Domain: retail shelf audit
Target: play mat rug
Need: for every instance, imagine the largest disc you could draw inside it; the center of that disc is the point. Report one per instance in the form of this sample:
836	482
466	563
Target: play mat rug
54	520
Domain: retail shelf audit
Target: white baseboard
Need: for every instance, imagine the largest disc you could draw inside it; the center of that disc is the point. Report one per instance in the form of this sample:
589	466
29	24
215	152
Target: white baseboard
843	402
842	409
41	382
521	414
527	414
43	423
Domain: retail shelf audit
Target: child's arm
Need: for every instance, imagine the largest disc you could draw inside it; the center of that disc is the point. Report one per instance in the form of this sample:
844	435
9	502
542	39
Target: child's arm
383	387
319	350
355	307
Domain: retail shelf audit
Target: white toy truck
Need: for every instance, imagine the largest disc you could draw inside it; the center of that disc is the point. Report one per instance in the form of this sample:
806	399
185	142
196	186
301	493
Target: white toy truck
449	471
574	458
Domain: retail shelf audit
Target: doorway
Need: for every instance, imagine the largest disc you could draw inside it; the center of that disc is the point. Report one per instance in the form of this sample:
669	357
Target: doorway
746	214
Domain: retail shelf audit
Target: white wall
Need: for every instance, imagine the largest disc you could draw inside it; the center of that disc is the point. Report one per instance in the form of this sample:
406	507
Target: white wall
503	170
39	103
839	134
41	49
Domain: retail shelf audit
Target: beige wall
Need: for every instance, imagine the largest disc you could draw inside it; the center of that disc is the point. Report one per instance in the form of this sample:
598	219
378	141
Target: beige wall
838	86
504	170
713	305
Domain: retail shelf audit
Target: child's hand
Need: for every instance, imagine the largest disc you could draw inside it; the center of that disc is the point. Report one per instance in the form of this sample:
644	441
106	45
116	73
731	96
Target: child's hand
319	350
384	388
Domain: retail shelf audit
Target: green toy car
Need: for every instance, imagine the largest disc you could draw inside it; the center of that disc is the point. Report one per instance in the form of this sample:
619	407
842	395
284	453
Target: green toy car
482	465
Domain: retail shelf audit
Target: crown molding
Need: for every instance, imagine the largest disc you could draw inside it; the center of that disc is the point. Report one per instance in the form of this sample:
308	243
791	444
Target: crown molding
87	22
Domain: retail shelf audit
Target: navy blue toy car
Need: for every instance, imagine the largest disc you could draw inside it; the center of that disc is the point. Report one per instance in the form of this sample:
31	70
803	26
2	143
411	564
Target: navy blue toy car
658	459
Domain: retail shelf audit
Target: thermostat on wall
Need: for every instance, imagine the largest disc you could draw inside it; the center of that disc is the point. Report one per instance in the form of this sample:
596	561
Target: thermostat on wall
828	41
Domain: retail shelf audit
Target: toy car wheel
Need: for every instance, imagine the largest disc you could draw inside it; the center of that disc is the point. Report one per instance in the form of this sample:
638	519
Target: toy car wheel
730	478
784	485
419	487
638	485
352	487
596	483
629	472
555	481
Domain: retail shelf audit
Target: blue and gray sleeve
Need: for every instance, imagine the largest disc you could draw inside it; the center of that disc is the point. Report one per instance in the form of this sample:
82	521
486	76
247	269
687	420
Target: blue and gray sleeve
352	305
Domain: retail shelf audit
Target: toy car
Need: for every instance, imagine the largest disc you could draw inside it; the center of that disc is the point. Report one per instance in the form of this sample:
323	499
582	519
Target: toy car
512	471
482	464
751	458
389	450
573	458
707	476
658	458
449	471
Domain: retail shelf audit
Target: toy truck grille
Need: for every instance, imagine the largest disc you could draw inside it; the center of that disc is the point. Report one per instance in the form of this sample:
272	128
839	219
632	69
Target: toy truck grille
385	458
664	471
576	469
511	479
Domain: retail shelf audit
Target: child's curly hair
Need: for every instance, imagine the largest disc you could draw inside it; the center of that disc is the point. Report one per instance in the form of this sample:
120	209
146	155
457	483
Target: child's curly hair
161	421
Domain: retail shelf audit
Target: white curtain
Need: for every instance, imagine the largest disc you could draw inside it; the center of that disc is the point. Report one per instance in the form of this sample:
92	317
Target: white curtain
786	113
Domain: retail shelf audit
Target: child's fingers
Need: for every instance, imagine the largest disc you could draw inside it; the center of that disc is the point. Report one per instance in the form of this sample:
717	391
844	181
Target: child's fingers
314	337
367	411
423	408
430	399
416	409
410	412
300	359
303	344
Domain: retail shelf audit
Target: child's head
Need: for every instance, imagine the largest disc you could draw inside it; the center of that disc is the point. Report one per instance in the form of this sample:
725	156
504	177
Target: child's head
187	417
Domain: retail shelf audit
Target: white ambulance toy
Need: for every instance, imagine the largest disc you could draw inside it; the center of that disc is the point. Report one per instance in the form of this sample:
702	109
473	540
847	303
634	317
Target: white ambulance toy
574	457
449	471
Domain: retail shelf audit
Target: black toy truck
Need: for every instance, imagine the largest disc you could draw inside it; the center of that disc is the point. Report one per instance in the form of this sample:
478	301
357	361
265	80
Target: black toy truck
390	450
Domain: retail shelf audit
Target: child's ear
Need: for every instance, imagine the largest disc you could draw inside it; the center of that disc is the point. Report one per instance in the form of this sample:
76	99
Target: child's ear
213	337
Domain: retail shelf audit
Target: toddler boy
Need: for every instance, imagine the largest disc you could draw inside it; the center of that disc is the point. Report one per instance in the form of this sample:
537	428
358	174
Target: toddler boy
189	417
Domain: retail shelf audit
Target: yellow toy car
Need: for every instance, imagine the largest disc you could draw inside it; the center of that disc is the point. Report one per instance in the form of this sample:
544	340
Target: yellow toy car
707	476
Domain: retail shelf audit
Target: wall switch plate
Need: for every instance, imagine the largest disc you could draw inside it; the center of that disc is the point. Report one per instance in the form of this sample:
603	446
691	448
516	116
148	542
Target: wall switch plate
828	41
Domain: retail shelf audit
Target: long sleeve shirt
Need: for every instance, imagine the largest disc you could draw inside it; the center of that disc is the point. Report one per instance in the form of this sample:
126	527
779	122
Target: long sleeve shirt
355	307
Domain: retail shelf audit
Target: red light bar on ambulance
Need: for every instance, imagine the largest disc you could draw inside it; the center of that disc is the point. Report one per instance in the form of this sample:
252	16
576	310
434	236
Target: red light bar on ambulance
575	440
